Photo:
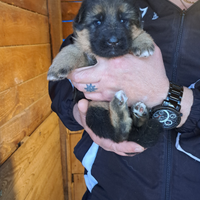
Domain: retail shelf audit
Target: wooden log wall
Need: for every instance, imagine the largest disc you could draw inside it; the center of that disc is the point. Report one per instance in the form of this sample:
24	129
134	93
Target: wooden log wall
25	58
34	171
30	160
69	11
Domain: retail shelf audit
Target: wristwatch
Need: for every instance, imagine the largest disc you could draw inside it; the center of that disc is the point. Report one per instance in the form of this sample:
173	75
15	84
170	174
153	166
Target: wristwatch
168	113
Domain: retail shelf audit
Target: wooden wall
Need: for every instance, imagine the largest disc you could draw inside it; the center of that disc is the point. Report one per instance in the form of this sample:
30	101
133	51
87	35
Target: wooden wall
25	58
34	171
29	134
69	11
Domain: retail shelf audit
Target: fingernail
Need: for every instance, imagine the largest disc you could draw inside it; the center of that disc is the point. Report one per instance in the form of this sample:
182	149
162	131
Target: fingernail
131	154
139	149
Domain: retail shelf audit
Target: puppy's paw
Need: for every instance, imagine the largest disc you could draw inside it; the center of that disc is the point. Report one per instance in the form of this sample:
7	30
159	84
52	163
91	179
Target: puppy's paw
120	98
62	64
140	114
68	59
140	110
120	116
143	45
143	50
55	74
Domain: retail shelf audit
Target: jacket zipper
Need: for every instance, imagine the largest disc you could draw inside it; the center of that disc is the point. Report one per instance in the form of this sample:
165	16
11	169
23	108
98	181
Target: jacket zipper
169	141
178	44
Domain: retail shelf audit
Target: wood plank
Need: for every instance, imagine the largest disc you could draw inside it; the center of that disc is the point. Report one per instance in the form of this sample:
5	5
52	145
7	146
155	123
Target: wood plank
29	168
22	125
22	27
67	29
70	10
50	186
79	186
21	159
21	63
16	99
38	6
53	193
69	168
55	21
32	182
64	159
67	163
48	182
76	165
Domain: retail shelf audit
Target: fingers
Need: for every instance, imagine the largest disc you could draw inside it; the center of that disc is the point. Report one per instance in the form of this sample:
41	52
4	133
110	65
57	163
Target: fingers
76	114
93	92
127	148
85	75
123	148
90	74
83	107
88	87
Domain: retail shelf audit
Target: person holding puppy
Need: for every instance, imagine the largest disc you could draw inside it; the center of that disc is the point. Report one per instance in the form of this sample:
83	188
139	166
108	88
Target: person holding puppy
169	170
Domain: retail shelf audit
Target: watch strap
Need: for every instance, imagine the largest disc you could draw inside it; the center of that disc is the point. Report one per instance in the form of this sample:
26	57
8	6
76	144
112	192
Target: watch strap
174	97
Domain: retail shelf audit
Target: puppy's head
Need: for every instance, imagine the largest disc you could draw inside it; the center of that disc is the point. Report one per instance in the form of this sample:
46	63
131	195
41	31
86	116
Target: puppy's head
108	25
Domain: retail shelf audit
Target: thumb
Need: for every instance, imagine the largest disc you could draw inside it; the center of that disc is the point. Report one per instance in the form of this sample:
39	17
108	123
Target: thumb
83	106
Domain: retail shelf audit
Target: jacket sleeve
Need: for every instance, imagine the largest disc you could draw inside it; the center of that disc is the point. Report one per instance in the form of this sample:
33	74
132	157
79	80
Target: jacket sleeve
61	94
188	139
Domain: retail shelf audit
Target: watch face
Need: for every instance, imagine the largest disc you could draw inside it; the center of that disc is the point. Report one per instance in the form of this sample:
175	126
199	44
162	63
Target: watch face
168	117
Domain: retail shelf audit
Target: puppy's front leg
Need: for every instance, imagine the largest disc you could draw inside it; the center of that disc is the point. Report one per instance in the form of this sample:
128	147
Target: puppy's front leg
110	120
143	45
69	58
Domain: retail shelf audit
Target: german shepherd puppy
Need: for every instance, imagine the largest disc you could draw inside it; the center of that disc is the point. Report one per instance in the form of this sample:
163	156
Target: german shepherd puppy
109	28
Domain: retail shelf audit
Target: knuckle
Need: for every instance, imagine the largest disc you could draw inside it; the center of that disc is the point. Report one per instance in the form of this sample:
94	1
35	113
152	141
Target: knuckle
89	96
75	77
78	86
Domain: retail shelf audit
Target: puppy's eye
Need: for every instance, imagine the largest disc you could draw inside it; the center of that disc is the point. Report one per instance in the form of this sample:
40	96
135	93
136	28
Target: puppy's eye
97	22
122	20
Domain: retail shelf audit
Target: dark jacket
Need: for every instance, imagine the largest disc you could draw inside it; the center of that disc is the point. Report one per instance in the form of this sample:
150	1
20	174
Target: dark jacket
171	169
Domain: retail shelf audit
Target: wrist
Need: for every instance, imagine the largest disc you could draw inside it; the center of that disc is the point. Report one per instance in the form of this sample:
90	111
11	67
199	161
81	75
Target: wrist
186	104
175	108
157	96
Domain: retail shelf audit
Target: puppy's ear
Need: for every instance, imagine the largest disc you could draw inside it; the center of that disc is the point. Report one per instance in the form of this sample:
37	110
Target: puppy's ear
134	6
78	23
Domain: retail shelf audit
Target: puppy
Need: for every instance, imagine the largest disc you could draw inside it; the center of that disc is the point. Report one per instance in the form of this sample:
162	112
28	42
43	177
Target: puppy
109	28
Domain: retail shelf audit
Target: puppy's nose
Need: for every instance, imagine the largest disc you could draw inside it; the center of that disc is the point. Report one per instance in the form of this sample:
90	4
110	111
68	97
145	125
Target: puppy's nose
113	41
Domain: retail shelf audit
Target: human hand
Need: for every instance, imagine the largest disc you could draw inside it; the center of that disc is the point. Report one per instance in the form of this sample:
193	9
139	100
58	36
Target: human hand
142	79
123	148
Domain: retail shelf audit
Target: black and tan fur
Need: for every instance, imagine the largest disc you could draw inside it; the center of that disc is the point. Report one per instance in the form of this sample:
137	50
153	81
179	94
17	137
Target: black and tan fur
109	28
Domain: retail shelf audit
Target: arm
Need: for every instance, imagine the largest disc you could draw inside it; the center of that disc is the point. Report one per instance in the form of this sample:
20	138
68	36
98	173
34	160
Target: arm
151	83
61	94
142	79
188	139
193	120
